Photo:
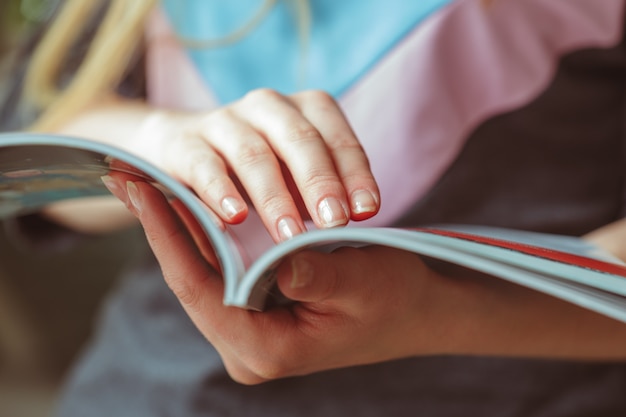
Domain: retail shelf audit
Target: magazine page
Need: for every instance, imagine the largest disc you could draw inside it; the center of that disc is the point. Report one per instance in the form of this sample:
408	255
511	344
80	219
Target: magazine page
37	169
33	176
577	262
599	291
568	244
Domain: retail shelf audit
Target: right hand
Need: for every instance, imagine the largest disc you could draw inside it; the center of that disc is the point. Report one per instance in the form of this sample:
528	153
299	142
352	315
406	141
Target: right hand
273	151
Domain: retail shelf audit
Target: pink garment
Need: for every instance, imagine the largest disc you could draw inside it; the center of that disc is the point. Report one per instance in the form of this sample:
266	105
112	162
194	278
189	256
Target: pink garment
415	109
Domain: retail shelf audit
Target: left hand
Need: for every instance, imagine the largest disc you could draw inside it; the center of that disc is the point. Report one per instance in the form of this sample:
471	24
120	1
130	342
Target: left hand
365	305
355	306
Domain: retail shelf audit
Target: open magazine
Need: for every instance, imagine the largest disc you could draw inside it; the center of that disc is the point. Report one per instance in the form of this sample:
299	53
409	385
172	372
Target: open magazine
36	170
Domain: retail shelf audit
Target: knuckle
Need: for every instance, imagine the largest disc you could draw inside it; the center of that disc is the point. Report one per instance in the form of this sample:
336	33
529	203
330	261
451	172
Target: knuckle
214	187
345	144
252	153
303	133
188	151
318	96
315	179
176	146
261	95
202	170
217	116
272	202
197	161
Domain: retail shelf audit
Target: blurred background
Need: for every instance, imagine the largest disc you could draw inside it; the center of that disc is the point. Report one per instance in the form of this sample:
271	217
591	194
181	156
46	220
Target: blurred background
48	301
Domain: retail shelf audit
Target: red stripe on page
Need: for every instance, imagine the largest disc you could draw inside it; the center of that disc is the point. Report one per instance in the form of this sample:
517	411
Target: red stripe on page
551	254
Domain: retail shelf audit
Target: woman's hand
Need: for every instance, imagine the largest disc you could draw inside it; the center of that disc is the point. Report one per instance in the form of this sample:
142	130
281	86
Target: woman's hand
291	157
265	140
366	305
352	308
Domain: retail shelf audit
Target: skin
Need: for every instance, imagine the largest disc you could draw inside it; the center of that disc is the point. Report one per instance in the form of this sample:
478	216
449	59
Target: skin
353	306
366	305
290	157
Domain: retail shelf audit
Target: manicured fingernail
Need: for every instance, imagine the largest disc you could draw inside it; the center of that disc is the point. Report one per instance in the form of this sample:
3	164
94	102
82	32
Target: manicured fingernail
363	202
110	183
115	189
133	195
232	207
288	228
331	212
301	273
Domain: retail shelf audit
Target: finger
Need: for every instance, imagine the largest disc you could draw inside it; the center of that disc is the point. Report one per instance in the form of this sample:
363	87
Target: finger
190	158
257	169
196	284
353	276
301	147
314	277
348	156
247	341
197	233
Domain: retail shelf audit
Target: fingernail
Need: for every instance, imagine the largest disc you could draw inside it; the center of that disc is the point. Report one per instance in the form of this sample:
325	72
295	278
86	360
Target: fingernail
331	212
363	202
301	273
110	183
232	206
133	195
114	188
288	228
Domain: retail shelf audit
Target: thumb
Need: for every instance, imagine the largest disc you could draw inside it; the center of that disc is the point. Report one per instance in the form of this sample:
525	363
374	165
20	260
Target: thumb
311	276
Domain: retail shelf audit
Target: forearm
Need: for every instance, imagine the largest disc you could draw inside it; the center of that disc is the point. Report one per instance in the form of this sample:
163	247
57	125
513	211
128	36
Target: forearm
490	316
128	124
90	215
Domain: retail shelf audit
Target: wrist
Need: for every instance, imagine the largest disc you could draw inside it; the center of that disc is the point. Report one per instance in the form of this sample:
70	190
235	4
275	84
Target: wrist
490	316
